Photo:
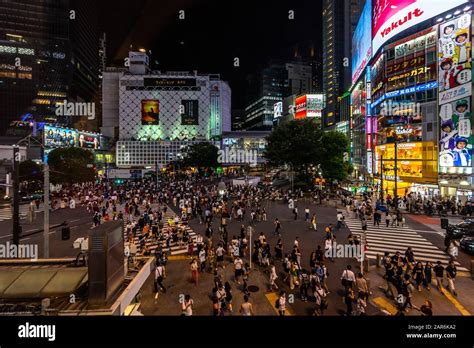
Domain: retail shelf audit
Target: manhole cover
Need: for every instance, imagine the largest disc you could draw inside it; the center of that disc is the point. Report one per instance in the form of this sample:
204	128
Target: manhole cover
253	288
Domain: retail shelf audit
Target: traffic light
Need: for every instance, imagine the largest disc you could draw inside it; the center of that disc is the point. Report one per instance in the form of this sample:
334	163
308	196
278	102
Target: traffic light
118	181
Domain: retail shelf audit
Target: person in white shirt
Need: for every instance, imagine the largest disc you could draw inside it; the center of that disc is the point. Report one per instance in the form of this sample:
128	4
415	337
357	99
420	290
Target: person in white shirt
202	259
348	277
187	306
273	277
281	303
238	264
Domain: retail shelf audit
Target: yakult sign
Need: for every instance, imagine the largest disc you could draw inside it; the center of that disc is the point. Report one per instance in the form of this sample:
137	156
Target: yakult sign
391	17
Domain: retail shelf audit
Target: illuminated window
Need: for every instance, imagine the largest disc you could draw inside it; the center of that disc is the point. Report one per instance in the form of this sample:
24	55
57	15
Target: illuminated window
25	76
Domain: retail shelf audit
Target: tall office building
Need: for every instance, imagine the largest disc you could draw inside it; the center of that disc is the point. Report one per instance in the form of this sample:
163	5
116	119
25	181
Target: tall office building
340	18
272	85
48	53
265	89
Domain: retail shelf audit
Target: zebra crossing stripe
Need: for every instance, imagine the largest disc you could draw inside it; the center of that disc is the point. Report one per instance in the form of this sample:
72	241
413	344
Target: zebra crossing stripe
383	239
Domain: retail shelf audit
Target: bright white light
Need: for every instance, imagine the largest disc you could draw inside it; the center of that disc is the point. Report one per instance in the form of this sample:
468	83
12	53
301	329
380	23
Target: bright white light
457	12
439	20
448	16
393	6
467	8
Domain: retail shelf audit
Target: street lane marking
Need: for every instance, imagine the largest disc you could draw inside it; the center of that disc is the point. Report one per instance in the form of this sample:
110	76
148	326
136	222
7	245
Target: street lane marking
178	258
456	303
75	220
272	297
5	237
22	240
385	305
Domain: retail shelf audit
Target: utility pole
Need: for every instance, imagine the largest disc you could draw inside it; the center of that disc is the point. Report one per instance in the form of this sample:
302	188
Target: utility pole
46	212
395	196
381	178
16	195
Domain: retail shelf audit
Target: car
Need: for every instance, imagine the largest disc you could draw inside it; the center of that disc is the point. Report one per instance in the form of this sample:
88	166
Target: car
463	228
30	197
467	244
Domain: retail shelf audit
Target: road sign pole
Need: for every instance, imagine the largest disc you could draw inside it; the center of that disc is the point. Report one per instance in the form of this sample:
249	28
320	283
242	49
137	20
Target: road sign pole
46	212
16	195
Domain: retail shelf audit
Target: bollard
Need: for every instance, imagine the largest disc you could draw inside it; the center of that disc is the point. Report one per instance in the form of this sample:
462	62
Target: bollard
366	265
378	261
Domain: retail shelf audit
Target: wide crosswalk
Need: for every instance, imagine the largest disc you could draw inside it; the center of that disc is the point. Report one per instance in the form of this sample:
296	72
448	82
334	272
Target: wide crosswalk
173	248
393	239
6	212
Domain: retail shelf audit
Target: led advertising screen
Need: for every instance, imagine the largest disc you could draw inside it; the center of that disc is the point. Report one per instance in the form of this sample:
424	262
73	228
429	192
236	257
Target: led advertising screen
362	42
392	17
300	106
88	140
189	112
455	92
56	137
150	112
309	105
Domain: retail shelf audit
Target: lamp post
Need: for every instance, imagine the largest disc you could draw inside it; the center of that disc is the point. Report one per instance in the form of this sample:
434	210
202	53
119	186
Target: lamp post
250	231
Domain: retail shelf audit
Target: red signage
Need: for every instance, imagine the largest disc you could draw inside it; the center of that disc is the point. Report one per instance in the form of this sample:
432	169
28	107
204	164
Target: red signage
301	109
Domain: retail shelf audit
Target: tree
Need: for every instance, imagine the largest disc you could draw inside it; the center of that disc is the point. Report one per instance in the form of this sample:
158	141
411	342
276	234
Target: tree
302	145
71	165
201	156
333	166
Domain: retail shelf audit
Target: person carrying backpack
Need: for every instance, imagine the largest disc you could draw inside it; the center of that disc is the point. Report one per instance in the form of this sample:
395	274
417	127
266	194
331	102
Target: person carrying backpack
280	304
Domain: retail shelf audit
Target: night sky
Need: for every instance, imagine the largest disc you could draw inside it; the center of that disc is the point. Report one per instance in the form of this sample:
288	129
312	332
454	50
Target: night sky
213	33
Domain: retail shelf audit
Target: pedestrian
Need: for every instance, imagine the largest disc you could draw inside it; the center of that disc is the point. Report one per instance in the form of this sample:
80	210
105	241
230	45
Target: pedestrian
349	298
238	264
160	274
428	275
279	250
314	222
361	304
439	274
320	295
202	259
427	309
419	275
348	278
246	308
451	272
187	306
362	286
280	303
277	227
194	271
306	214
273	277
228	297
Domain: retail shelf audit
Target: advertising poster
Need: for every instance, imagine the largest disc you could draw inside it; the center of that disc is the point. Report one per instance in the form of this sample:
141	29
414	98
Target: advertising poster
88	141
55	137
455	92
150	112
301	111
189	112
392	17
362	42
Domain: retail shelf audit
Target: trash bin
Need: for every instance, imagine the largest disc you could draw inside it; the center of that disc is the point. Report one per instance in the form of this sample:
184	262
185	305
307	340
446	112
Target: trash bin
65	233
444	223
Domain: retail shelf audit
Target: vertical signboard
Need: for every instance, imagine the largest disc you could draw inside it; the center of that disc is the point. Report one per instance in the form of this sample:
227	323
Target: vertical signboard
455	93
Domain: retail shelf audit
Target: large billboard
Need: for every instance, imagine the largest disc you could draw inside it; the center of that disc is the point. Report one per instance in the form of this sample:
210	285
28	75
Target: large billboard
189	112
57	137
150	112
391	17
455	93
362	42
309	105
